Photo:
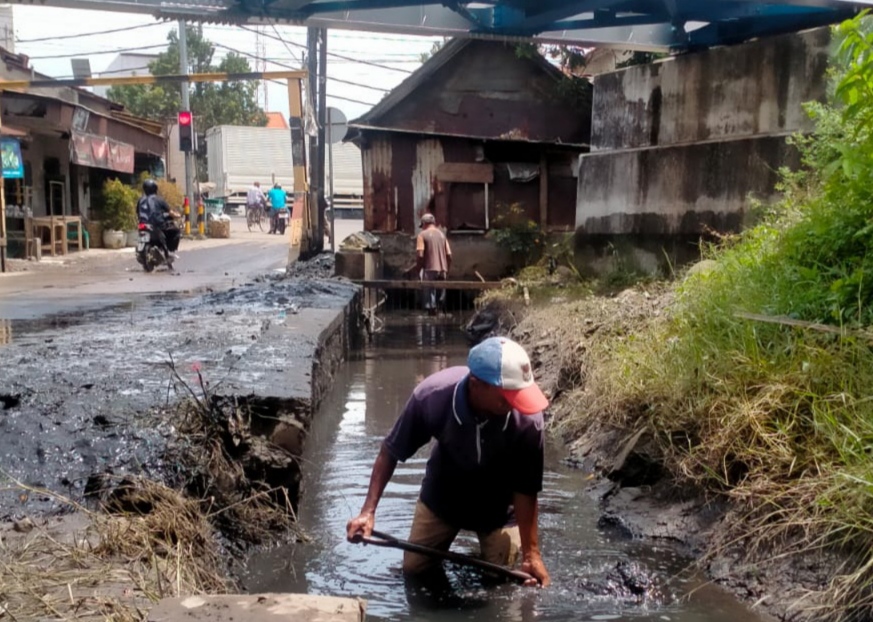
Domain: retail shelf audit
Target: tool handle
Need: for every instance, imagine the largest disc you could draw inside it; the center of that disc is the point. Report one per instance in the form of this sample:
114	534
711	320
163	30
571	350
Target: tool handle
383	539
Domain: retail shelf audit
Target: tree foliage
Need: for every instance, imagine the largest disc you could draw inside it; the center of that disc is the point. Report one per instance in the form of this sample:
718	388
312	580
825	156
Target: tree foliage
213	103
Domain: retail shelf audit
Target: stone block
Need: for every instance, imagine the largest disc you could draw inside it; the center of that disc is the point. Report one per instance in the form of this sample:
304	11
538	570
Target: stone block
259	608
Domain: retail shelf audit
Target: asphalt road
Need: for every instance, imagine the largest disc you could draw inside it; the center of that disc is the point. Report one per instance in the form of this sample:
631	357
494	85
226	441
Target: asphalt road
101	278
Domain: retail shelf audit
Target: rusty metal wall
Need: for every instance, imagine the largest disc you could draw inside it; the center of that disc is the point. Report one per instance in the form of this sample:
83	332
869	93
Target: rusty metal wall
401	182
380	209
428	157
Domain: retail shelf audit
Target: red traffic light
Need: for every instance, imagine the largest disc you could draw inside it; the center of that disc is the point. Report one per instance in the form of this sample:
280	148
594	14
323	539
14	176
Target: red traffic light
185	118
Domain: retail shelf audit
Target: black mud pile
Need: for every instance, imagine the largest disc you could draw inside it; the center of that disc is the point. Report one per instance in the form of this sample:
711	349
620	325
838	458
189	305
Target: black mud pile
93	399
319	267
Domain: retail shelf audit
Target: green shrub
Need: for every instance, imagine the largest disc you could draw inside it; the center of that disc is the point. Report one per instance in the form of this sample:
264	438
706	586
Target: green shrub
118	211
513	230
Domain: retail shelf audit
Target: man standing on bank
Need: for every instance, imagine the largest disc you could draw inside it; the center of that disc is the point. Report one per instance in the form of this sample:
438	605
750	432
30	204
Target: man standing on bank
433	259
486	468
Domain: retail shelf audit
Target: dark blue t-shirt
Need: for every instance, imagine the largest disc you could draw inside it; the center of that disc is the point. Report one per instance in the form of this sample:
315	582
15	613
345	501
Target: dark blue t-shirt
475	465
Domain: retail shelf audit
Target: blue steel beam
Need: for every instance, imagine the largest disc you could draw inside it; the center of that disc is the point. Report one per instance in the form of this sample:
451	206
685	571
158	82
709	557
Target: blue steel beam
627	24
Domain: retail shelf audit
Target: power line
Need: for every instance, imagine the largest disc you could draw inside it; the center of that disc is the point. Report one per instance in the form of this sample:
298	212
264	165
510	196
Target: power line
334	54
347	99
89	34
352	36
118	51
107	73
250	55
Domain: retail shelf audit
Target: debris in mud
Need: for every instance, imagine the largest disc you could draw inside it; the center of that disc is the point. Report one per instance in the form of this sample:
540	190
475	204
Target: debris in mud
494	319
627	582
252	484
9	401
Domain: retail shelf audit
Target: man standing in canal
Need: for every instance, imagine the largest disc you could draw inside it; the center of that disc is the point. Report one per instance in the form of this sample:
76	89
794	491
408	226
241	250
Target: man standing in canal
433	260
486	468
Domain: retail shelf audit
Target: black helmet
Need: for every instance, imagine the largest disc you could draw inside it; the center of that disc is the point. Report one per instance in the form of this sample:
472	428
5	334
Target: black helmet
150	186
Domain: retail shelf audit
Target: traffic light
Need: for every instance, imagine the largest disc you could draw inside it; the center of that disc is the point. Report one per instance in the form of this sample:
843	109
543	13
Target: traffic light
186	131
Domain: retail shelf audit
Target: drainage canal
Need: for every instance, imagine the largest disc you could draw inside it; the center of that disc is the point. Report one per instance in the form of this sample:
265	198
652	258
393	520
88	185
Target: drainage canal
597	574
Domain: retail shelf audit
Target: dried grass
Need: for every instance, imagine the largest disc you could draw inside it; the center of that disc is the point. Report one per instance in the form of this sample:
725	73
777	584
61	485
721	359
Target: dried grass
110	566
149	541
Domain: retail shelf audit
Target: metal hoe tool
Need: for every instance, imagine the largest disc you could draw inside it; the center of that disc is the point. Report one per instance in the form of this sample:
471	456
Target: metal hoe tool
382	539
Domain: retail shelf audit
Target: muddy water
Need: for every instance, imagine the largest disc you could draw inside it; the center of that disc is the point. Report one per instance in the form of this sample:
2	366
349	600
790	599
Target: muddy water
582	558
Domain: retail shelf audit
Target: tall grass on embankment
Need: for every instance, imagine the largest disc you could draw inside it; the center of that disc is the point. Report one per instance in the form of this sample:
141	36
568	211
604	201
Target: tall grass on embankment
758	384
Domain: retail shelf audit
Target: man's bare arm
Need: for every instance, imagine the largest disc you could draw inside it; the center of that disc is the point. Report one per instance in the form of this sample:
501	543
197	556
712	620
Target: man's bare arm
383	469
527	515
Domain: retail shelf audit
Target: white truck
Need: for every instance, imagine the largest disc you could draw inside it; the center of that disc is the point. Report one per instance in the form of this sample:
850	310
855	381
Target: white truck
237	156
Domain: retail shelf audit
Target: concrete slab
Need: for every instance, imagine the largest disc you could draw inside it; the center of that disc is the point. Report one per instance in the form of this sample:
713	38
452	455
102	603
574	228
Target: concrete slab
279	365
259	608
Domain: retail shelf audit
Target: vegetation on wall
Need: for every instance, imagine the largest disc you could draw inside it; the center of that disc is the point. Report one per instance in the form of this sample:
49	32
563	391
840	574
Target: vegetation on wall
758	385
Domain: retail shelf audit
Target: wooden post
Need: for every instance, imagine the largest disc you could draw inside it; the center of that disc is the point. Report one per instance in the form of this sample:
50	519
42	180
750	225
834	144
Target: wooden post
544	192
298	157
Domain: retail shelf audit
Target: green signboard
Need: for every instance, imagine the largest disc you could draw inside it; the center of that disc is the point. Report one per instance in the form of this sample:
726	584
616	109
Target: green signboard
13	165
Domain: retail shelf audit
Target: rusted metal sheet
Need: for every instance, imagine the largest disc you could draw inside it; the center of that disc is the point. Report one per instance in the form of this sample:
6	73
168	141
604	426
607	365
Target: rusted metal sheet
379	209
429	157
466	172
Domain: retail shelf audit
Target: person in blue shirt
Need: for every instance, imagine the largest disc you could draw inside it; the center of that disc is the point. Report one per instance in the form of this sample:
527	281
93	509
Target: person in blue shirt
276	196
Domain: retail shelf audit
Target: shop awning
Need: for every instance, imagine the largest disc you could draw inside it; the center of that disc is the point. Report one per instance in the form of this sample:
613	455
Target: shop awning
101	152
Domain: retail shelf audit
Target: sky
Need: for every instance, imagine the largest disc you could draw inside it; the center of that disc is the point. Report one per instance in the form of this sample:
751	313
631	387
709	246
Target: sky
51	37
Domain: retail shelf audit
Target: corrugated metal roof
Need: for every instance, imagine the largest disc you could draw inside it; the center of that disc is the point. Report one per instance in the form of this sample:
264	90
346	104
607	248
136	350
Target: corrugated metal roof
511	138
421	75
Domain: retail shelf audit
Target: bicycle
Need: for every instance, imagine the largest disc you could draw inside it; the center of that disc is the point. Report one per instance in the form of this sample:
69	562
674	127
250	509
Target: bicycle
255	216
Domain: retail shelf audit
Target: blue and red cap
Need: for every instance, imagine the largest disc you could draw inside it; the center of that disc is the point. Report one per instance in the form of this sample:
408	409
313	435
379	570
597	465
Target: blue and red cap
503	363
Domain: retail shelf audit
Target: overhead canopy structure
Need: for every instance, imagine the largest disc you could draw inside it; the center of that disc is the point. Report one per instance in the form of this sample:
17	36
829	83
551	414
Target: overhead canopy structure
629	24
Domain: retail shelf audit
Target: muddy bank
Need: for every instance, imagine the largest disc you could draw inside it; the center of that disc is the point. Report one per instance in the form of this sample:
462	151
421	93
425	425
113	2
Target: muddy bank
94	395
631	480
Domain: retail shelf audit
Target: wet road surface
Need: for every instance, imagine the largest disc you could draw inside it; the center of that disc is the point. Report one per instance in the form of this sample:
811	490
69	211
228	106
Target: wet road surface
585	561
101	278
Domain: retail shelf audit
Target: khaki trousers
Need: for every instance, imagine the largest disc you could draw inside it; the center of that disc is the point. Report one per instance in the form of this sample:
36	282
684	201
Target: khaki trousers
500	546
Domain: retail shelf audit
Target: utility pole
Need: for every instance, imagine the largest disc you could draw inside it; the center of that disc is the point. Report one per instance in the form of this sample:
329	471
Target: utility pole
322	122
186	104
314	177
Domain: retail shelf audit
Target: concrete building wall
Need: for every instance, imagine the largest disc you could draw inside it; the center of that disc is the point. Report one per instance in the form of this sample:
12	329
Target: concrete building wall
745	90
680	146
678	190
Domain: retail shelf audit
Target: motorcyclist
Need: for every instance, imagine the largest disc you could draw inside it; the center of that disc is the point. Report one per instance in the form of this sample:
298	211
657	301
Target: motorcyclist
277	199
153	210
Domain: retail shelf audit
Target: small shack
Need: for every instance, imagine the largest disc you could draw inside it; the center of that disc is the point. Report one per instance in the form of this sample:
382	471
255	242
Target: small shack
478	128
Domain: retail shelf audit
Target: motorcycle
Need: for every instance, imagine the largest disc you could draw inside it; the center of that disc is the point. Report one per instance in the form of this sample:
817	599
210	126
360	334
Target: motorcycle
282	217
151	252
